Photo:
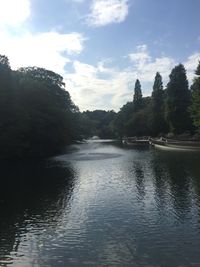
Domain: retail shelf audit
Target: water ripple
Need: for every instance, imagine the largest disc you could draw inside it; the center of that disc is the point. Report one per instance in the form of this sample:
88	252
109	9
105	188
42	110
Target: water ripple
101	205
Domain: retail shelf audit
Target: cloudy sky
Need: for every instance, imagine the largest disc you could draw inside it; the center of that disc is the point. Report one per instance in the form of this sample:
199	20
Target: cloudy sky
101	47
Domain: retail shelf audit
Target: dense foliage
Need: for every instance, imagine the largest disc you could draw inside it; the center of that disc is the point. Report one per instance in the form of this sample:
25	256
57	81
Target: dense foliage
98	123
174	110
36	112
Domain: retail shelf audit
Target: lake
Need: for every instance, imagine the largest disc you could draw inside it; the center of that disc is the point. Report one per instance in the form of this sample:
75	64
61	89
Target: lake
101	204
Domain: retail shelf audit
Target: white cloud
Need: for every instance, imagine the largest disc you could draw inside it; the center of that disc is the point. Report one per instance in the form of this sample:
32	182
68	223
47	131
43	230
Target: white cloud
191	65
50	50
91	90
140	57
88	90
14	12
42	50
85	70
163	65
104	12
145	67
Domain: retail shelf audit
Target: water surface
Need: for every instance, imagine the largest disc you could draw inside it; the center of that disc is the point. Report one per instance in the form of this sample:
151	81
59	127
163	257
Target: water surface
101	204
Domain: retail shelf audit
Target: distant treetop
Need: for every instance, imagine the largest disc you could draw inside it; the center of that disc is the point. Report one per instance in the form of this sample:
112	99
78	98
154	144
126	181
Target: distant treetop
43	75
137	91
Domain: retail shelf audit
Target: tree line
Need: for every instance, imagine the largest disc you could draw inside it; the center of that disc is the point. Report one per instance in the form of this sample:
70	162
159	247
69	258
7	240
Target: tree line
39	119
172	111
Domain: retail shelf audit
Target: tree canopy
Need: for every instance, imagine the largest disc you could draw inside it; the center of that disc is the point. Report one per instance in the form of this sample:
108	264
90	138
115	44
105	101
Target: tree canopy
36	112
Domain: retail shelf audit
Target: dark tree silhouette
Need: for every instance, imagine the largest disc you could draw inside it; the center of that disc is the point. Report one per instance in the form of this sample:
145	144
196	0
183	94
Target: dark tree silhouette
158	120
37	115
178	101
137	98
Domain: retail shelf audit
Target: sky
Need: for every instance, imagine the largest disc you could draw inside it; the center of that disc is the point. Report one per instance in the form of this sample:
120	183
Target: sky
101	47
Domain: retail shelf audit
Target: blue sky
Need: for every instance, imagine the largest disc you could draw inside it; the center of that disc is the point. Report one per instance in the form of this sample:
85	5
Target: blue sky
101	47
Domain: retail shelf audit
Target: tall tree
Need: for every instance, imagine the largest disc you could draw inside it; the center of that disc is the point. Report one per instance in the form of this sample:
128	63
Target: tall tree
178	101
137	98
158	120
158	84
195	107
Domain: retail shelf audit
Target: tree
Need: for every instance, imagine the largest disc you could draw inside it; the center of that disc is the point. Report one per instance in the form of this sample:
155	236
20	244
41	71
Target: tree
123	116
178	101
137	98
99	123
37	115
53	84
43	75
139	122
195	106
158	84
131	122
48	112
158	120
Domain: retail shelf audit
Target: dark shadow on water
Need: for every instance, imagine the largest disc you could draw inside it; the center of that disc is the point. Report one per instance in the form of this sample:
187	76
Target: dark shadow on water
180	174
168	231
31	192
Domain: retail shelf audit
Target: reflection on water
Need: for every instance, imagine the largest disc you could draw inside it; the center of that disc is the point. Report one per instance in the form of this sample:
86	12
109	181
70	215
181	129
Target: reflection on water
33	196
101	205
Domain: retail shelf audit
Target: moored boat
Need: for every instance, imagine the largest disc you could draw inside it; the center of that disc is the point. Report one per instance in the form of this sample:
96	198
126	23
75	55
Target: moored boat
170	144
133	141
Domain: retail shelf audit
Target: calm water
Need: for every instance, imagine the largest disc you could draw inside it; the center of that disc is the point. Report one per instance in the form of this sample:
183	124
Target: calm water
101	205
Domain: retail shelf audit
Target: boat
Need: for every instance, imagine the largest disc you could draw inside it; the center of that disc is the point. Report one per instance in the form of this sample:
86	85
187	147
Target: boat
134	141
171	144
